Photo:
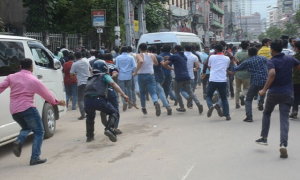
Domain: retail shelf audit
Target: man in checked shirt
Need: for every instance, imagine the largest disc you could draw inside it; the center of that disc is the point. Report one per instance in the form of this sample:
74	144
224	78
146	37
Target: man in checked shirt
257	67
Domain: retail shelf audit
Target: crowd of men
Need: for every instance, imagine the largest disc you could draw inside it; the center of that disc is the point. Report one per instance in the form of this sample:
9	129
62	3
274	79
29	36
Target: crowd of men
93	79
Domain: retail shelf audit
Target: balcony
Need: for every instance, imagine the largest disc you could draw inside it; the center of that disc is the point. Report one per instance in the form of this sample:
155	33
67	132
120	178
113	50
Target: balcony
215	8
217	24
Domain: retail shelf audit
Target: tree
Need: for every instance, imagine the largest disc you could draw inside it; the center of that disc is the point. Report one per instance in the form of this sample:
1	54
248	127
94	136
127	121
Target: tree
297	16
156	17
262	36
274	33
290	29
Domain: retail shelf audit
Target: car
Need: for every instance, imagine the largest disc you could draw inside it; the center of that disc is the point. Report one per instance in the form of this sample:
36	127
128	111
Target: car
45	68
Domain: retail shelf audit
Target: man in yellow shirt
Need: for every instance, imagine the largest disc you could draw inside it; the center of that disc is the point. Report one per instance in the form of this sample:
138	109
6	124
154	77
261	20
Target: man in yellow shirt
265	50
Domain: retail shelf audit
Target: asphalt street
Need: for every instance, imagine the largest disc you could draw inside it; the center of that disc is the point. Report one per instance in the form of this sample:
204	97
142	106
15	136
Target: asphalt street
183	146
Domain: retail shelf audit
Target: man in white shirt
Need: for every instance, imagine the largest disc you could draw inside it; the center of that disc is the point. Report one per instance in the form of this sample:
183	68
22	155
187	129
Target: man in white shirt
192	65
218	65
93	53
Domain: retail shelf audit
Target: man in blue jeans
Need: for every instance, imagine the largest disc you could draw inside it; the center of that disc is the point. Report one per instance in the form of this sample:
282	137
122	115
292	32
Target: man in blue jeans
146	77
182	78
280	91
126	65
159	79
257	67
23	88
218	64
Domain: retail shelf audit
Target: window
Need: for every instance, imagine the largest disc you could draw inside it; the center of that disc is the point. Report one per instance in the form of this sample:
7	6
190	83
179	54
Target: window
10	55
40	55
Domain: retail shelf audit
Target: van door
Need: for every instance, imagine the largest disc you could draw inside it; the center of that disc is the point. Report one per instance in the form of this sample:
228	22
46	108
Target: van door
45	72
10	54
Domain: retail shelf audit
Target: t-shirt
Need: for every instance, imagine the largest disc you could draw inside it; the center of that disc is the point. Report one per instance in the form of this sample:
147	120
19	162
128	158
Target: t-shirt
218	67
68	80
158	73
191	59
180	67
82	70
107	78
283	66
167	72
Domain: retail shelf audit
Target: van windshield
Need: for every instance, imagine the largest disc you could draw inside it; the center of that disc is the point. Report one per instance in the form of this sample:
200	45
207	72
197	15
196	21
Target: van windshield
160	45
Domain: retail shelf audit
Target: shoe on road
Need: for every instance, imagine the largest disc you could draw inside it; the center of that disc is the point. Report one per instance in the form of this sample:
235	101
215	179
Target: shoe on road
260	106
237	106
200	108
242	98
228	118
219	110
112	137
17	148
144	110
169	110
89	139
81	117
37	161
262	141
125	107
283	152
294	115
157	109
117	131
189	103
210	110
180	110
175	103
248	119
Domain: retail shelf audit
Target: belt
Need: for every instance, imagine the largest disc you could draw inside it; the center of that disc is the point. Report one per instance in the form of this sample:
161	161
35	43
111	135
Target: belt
93	97
145	74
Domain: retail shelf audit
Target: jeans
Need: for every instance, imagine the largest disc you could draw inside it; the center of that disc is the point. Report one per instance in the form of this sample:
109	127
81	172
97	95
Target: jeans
188	88
136	83
126	86
297	97
285	101
113	99
161	94
71	90
198	75
30	120
183	91
80	98
133	93
205	83
221	86
147	81
252	91
231	90
167	85
238	86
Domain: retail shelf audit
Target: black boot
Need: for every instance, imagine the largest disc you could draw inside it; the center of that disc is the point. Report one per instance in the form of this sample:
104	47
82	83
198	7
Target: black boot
89	131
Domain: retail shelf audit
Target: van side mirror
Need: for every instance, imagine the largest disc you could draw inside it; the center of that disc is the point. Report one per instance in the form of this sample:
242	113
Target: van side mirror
57	64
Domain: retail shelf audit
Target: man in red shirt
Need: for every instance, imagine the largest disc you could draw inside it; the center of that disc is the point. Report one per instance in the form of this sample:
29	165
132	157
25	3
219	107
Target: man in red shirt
70	82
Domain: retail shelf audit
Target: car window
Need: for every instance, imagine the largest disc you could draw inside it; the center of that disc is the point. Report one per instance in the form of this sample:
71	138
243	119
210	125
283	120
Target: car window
10	55
40	54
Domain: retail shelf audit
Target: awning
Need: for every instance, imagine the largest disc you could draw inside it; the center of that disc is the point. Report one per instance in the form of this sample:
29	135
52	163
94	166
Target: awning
176	11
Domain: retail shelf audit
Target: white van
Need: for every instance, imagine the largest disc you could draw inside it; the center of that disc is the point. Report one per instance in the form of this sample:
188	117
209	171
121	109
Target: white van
45	68
172	38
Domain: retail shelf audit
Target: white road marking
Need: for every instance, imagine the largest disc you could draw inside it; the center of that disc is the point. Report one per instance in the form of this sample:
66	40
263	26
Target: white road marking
187	174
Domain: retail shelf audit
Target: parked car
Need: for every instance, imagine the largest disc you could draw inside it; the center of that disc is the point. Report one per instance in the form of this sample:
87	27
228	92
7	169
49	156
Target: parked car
45	68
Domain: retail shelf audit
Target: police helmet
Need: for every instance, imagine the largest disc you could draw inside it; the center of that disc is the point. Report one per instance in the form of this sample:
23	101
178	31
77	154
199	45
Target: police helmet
100	66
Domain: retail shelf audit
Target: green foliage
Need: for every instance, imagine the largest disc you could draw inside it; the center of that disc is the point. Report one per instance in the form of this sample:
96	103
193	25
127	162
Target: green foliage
274	33
40	14
290	29
297	17
157	17
262	36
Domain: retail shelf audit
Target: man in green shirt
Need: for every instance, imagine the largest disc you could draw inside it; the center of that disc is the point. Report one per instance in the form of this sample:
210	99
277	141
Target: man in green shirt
296	82
242	77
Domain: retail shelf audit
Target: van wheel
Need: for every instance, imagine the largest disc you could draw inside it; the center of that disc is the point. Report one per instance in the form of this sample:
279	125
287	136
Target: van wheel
49	122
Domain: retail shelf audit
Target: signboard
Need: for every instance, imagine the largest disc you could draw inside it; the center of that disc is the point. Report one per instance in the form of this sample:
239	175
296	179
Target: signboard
136	25
98	17
210	18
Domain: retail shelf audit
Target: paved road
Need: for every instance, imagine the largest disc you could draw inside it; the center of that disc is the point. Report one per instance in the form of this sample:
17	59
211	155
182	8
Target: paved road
182	146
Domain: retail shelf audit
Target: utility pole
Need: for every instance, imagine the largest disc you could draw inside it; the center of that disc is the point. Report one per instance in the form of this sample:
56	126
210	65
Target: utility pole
193	9
142	17
127	22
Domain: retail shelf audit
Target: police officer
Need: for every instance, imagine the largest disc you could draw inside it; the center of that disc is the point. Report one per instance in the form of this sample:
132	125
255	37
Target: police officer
96	99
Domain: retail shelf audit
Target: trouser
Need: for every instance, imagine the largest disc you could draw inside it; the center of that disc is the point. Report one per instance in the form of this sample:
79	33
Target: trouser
103	105
199	78
238	88
126	86
285	101
147	81
133	93
195	81
71	90
187	86
113	99
161	94
167	86
183	91
231	90
221	86
297	97
30	120
80	98
136	83
205	83
252	91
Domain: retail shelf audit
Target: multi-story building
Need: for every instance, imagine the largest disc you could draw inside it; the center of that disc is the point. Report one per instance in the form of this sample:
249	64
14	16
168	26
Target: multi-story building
296	4
230	19
251	26
285	10
216	19
272	16
243	7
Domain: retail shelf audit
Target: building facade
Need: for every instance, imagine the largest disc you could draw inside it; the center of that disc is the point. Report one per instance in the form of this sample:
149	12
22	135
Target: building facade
251	26
296	4
243	7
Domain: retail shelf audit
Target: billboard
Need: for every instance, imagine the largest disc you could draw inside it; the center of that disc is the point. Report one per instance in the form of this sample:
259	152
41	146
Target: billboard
98	17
